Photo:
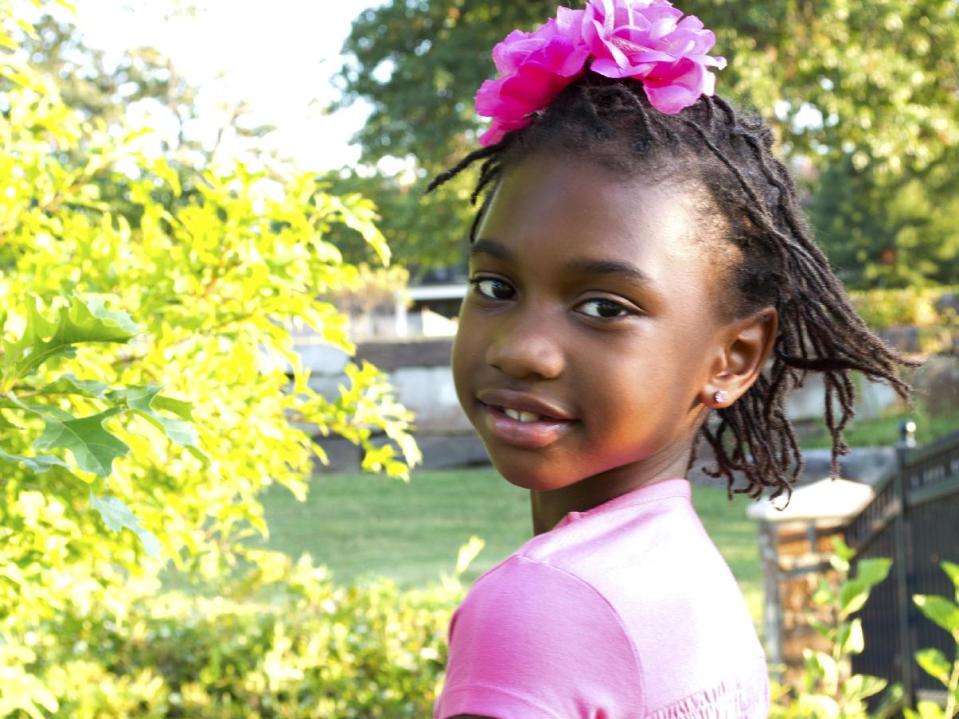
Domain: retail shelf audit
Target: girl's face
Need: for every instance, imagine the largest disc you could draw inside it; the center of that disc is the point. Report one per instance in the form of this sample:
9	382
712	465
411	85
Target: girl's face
589	331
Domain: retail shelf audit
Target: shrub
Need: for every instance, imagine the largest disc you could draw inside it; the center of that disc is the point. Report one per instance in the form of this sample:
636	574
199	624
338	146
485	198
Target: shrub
146	355
945	613
827	688
281	640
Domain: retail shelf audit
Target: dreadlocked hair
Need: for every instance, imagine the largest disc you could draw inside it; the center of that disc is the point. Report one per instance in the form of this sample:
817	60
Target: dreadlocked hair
779	264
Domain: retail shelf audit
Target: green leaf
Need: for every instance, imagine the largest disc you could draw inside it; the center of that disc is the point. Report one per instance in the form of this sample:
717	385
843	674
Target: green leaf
93	448
144	401
41	410
952	569
862	686
873	571
183	410
839	564
871	685
854	592
941	611
117	516
82	321
114	325
824	593
6	423
929	710
852	597
935	664
38	464
851	640
817	705
823	667
842	550
467	553
68	384
822	629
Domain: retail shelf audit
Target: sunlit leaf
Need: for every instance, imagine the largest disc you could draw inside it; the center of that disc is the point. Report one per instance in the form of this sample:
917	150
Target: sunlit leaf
851	639
92	446
68	384
941	611
952	570
118	516
38	463
145	401
85	320
934	663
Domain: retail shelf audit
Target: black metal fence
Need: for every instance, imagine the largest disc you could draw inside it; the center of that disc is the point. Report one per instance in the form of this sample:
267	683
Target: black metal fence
913	520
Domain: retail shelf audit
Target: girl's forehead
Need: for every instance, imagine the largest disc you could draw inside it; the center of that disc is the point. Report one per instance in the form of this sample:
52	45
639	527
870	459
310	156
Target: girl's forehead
555	205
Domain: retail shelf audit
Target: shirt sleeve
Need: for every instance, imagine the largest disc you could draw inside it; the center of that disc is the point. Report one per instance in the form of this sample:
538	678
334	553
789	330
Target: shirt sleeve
531	641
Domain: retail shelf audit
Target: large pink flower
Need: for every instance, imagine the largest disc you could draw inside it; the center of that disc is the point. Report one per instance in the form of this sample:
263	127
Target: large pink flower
651	41
533	68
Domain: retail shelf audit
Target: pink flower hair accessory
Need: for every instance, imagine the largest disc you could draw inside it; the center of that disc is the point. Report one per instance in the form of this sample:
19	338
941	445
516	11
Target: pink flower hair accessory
648	40
534	68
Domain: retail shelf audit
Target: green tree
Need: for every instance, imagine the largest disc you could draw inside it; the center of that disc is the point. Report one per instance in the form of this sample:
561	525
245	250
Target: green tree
419	237
884	230
871	85
145	368
100	87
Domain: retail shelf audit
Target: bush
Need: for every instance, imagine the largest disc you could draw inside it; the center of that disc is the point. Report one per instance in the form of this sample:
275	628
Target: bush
945	613
169	412
279	641
827	688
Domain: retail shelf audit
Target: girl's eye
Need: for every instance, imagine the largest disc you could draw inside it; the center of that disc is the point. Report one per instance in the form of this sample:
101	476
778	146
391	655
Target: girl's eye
603	309
492	288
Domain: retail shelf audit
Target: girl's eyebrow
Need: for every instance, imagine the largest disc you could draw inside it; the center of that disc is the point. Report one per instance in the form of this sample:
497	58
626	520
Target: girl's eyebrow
589	266
490	247
578	265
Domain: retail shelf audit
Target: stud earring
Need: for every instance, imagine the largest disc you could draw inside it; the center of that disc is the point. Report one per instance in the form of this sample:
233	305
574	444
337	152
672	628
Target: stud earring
721	397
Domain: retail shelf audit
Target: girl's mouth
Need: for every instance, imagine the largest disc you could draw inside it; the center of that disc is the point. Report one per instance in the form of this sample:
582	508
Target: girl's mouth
523	429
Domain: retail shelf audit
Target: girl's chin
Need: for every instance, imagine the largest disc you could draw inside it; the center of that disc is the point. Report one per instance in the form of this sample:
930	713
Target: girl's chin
534	476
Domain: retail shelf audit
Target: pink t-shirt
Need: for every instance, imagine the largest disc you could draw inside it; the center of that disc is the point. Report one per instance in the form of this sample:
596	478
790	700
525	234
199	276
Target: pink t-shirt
625	610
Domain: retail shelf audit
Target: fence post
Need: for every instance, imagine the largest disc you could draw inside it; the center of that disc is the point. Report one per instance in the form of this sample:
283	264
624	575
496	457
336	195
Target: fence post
907	440
772	609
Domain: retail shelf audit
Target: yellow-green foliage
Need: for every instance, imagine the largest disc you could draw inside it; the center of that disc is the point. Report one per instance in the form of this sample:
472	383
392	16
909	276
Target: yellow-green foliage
945	613
281	642
916	306
146	317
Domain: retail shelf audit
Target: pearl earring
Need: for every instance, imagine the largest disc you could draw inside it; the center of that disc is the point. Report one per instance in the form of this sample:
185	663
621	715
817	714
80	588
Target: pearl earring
721	396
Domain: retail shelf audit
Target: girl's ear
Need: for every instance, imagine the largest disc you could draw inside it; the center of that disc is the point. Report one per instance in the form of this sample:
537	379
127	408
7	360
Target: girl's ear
746	344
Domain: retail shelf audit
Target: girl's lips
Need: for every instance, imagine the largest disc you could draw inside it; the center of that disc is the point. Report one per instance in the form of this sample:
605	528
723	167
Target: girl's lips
524	402
531	435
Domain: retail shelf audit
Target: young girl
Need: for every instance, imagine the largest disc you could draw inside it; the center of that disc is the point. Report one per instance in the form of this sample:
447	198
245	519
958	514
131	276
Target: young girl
641	276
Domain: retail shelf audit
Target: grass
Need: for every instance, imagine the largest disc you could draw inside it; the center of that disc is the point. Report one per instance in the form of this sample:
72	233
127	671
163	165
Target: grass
883	431
362	526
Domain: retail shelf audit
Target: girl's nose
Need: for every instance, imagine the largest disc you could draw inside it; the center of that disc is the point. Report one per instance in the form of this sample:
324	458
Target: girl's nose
525	347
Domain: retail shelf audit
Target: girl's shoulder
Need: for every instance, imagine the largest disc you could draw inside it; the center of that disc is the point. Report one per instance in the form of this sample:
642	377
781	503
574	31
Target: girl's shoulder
534	640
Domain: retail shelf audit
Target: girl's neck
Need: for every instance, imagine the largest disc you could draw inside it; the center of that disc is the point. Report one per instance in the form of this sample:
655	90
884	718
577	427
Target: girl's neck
548	508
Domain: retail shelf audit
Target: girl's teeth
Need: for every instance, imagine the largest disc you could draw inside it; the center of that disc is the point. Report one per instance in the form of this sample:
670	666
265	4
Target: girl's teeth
521	416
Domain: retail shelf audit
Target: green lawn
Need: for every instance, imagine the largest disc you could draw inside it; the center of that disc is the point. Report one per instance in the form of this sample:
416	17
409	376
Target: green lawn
883	431
363	526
